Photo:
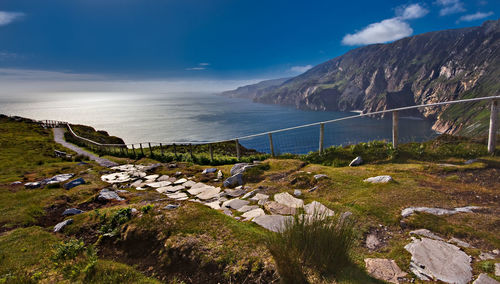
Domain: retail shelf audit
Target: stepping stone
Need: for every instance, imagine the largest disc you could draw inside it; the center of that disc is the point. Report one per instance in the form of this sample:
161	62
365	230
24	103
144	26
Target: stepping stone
379	179
438	211
214	205
136	183
189	184
426	233
209	171
175	188
278	208
151	177
178	196
195	190
235	203
259	197
60	226
275	223
288	200
384	269
163	178
162	189
209	193
72	211
116	177
249	194
180	181
235	192
433	260
249	215
247	208
137	174
159	184
316	208
483	278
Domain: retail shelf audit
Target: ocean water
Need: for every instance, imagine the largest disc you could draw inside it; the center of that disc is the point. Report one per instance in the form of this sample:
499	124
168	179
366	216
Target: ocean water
198	116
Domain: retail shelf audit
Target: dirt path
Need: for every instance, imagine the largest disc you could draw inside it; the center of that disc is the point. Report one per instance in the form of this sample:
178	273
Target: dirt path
59	138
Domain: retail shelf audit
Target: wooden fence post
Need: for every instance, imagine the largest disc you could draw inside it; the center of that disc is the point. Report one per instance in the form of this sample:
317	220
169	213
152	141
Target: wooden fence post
395	128
492	135
142	150
150	149
271	145
211	152
133	149
237	149
321	138
175	152
191	151
161	149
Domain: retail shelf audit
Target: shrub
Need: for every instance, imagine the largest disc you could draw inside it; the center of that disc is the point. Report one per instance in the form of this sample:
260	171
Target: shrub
111	226
315	242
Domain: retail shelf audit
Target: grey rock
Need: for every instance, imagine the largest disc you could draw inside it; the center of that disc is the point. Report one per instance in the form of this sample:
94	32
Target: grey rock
72	211
287	199
318	209
136	183
426	233
459	242
214	205
278	208
159	184
497	269
122	191
33	185
275	223
437	260
58	178
297	192
74	183
178	196
259	197
163	178
180	181
372	242
246	208
210	193
438	211
209	171
384	269
234	180
189	184
468	162
313	189
249	194
235	192
320	176
235	203
345	215
151	167
240	168
379	179
249	215
483	278
486	256
171	206
108	195
356	162
220	175
16	183
60	226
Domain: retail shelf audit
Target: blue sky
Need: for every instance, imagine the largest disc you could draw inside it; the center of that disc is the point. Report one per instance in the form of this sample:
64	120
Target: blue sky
223	39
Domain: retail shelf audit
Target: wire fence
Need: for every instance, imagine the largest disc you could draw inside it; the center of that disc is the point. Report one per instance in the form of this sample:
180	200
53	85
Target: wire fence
293	140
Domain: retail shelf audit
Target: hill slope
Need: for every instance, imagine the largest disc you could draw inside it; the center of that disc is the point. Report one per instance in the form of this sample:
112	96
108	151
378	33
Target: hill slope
426	68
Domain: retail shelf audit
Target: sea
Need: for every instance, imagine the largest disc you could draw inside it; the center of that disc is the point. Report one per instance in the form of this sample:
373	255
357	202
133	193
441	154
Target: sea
206	117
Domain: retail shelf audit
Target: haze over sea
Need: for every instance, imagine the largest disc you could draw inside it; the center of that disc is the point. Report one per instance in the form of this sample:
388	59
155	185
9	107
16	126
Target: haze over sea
202	116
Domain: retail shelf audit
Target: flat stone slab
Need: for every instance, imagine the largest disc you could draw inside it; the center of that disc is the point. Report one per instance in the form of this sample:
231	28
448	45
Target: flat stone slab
32	185
136	183
214	205
72	211
209	193
249	215
108	195
60	226
180	181
189	184
116	177
433	260
316	208
259	197
74	183
426	233
235	203
384	269
249	194
209	171
159	184
372	242
497	269
287	199
438	211
278	208
320	176
246	208
163	178
459	243
58	178
235	192
178	196
275	223
483	278
379	179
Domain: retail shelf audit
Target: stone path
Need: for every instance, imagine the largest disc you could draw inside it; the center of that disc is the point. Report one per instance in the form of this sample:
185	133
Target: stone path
59	138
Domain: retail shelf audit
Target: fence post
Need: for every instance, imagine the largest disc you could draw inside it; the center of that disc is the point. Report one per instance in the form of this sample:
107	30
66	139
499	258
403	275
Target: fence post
150	149
321	137
175	152
142	150
271	145
395	128
133	149
211	152
161	149
492	135
191	151
237	149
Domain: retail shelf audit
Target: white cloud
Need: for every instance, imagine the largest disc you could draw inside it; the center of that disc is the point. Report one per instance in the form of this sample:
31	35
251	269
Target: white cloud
204	64
300	69
450	7
473	17
413	11
389	29
8	17
196	68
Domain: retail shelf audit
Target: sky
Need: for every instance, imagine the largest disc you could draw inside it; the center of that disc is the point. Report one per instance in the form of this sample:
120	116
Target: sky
235	40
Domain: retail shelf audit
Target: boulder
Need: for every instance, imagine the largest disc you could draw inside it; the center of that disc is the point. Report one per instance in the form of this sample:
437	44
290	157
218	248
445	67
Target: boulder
72	211
151	177
16	183
116	177
288	200
379	179
240	168
316	208
209	193
199	188
259	197
136	183
278	208
234	180
459	242
74	183
60	226
372	242
438	211
433	260
235	192
356	162
483	278
214	205
189	184
209	171
235	203
33	185
163	178
384	269
249	194
275	223
58	178
106	195
249	215
180	181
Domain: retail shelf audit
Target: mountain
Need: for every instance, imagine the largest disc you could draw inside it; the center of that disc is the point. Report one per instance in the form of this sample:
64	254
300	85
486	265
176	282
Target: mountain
427	68
255	90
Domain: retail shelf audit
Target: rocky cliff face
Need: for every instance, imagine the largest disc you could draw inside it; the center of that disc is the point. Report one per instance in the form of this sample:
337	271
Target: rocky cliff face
427	68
